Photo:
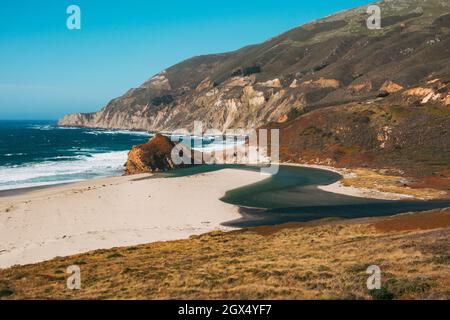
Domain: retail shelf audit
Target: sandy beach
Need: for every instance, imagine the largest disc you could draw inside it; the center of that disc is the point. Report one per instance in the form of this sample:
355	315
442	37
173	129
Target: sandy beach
112	212
42	223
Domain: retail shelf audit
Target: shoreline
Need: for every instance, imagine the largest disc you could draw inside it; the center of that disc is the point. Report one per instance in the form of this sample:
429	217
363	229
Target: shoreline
339	188
25	190
40	223
336	187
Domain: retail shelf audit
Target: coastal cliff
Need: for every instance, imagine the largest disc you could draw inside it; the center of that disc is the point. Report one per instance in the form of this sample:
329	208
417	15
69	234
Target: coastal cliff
323	63
340	93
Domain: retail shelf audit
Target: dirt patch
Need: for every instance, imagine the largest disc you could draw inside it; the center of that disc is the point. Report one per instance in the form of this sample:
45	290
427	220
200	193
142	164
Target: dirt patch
419	92
391	87
322	83
409	222
437	182
271	230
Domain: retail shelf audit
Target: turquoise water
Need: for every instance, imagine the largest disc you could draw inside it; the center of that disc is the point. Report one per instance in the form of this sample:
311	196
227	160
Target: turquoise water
293	195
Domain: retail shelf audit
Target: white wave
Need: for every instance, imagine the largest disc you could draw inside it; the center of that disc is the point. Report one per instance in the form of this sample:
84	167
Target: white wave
14	154
42	127
114	132
67	128
219	146
50	172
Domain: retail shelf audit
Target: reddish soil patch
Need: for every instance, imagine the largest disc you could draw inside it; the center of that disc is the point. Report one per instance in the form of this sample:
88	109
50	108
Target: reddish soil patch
435	182
270	230
419	221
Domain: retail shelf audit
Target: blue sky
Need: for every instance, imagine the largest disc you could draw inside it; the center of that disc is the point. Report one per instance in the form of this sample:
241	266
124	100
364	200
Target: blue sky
47	70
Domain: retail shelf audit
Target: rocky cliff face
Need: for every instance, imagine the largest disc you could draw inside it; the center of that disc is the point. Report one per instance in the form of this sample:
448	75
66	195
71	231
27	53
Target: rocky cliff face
325	63
340	94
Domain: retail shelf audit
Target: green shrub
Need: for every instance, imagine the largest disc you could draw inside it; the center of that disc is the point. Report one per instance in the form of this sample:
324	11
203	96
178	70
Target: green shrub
409	286
381	294
114	255
251	70
163	100
6	293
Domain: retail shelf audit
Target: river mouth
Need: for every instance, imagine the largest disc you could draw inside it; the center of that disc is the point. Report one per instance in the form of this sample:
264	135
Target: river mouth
292	195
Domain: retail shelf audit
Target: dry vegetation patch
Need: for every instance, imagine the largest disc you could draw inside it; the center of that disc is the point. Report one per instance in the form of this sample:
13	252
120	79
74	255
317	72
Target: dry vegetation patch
320	260
370	179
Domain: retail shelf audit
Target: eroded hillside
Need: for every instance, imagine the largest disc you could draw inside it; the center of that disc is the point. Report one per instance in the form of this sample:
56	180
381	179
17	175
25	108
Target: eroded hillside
323	63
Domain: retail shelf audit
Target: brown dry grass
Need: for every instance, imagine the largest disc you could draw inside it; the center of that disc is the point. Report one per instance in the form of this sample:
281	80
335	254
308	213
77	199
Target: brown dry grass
318	260
369	179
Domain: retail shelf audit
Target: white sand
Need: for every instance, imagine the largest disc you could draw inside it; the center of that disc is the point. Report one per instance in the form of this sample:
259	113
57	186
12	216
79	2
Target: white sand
337	187
113	212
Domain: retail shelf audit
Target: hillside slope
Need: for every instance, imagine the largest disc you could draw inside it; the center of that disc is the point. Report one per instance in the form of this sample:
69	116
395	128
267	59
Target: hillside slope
324	63
408	130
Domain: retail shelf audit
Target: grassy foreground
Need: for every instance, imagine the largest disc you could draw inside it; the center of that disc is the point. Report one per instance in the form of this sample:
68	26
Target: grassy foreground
316	260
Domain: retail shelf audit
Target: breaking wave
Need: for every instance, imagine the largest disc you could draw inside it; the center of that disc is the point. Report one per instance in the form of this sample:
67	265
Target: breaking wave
63	170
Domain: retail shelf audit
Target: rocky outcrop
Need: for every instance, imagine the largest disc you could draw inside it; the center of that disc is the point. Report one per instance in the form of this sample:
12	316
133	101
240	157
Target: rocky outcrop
153	156
159	154
435	91
325	63
322	83
390	87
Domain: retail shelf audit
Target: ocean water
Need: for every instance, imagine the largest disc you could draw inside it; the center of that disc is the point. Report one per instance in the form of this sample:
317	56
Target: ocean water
36	153
39	153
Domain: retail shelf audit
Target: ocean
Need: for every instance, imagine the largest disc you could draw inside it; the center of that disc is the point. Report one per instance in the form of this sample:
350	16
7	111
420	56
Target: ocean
36	153
39	153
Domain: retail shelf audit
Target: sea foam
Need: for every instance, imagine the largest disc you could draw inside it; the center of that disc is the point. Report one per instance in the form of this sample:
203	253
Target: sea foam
68	169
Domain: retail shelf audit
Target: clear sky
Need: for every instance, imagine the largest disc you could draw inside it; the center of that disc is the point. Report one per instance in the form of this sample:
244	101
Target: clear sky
47	70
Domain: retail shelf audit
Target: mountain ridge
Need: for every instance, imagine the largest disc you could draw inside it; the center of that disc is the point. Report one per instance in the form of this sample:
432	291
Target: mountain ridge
268	82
